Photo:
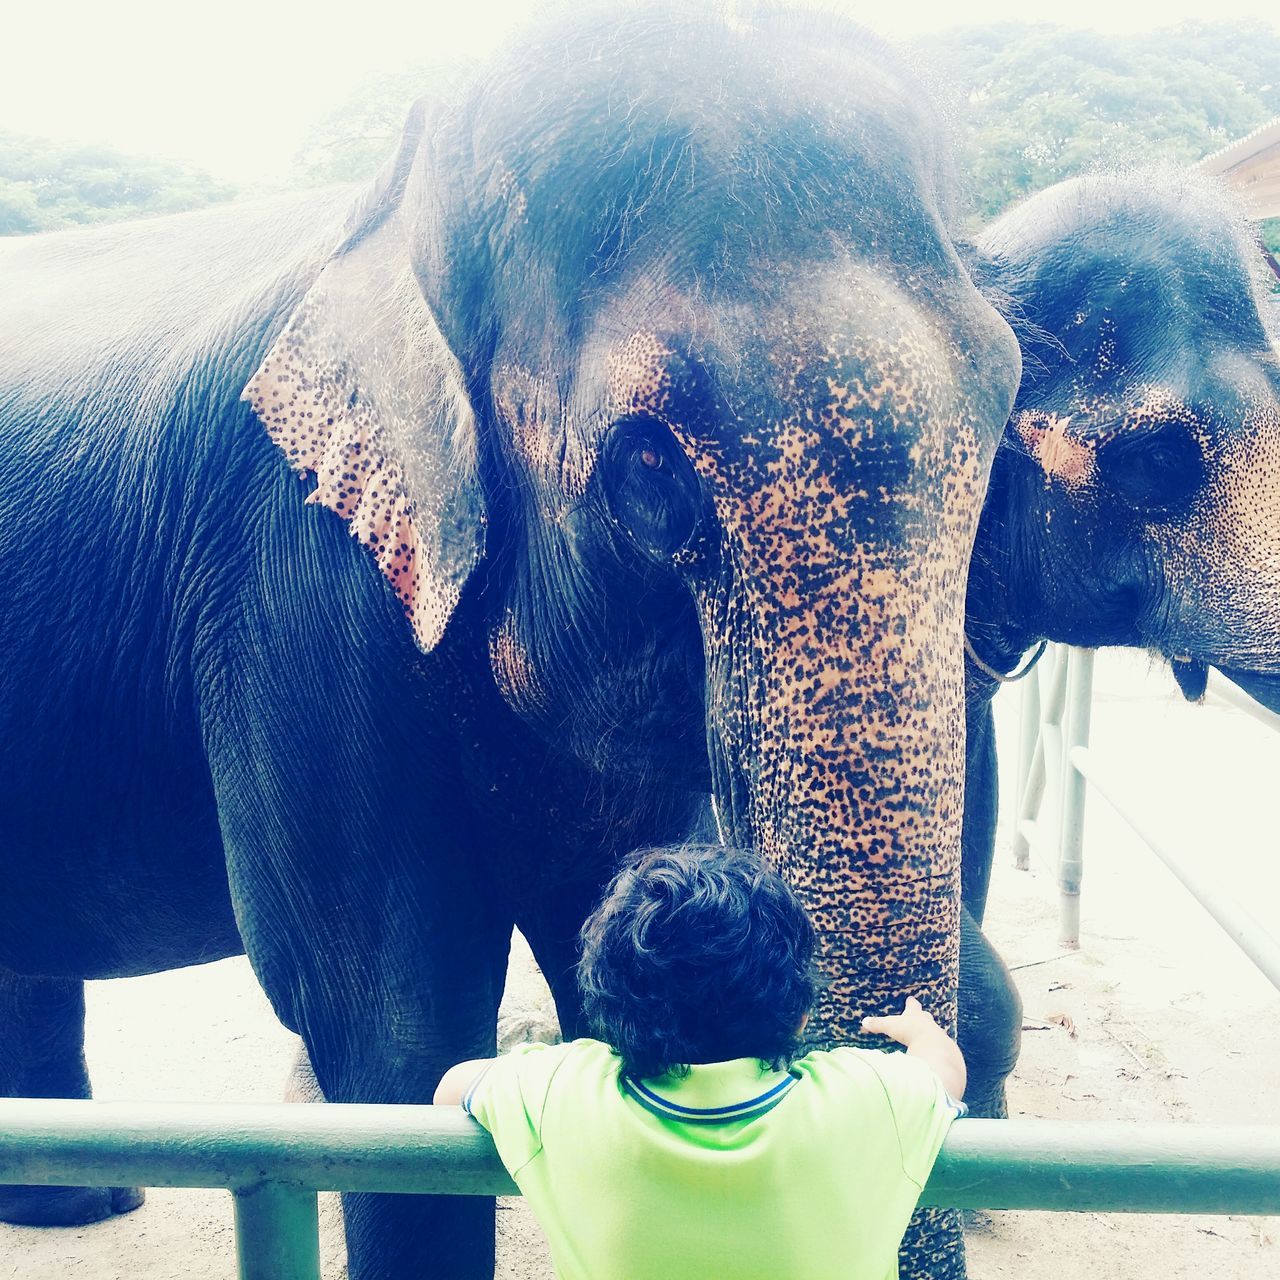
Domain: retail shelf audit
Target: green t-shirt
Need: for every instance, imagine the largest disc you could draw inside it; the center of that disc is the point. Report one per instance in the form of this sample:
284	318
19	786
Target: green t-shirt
734	1171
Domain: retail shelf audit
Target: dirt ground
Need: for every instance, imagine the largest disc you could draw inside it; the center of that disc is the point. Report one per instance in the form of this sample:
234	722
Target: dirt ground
1156	1018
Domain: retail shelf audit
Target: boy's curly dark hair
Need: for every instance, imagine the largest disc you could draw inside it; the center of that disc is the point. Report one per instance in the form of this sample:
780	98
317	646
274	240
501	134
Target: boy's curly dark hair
698	953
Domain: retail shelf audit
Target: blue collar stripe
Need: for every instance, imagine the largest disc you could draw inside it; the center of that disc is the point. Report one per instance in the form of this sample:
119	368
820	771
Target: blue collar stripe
638	1087
469	1096
707	1115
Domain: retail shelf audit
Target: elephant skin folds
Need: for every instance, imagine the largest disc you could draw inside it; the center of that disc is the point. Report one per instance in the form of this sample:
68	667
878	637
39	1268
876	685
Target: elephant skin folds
426	549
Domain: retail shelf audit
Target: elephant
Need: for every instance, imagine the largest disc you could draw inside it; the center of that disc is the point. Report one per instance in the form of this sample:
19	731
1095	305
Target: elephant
417	554
1135	495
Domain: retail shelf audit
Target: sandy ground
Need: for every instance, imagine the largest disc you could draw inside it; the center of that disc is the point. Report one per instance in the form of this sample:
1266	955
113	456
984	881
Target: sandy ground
1156	1017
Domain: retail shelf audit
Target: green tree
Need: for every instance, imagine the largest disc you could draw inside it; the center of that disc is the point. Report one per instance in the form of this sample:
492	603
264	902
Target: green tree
1038	103
47	185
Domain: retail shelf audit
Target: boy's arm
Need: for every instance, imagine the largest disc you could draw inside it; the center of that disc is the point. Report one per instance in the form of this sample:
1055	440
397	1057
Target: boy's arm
924	1039
457	1080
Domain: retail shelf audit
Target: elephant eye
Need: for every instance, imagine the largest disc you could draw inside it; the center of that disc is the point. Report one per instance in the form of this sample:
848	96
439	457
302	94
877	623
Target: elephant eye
1154	470
650	487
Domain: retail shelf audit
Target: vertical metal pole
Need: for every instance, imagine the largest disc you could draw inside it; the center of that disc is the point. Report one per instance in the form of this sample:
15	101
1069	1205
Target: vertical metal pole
1071	848
1053	719
1030	754
1029	809
277	1233
1046	759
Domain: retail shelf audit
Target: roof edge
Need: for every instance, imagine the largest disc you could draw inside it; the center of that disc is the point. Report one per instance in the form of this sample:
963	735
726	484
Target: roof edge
1236	153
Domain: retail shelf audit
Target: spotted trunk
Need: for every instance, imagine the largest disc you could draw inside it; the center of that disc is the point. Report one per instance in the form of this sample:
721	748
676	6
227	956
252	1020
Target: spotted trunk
832	625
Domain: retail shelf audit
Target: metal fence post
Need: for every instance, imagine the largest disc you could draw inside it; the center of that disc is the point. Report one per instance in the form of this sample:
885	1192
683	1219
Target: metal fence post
1046	757
1030	759
277	1232
1071	846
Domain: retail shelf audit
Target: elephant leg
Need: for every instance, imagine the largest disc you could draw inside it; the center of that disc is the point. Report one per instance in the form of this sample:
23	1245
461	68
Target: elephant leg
551	929
989	1021
359	1057
981	805
387	1226
989	1014
391	976
451	1017
42	1056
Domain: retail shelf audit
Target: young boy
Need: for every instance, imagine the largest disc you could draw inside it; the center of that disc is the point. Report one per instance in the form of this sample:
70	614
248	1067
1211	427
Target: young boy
688	1140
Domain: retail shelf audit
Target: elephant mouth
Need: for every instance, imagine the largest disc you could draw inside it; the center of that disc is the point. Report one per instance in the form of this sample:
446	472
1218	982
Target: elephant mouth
1261	686
1192	675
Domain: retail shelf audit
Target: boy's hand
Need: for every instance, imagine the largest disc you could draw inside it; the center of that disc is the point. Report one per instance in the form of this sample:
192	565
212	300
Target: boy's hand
903	1027
923	1038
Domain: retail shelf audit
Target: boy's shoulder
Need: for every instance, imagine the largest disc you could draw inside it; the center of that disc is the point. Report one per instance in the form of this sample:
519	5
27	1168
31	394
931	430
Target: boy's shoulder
868	1068
908	1084
516	1084
845	1059
584	1050
540	1059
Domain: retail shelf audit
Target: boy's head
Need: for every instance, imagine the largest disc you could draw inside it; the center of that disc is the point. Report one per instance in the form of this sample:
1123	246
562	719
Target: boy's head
697	954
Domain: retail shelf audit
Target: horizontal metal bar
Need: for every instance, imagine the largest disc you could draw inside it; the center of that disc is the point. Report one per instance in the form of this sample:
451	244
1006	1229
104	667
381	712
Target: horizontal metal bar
1243	929
994	1164
325	1147
1220	687
1133	1168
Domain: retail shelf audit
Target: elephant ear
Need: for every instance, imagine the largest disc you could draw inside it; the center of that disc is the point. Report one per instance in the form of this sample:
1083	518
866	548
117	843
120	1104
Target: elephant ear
362	390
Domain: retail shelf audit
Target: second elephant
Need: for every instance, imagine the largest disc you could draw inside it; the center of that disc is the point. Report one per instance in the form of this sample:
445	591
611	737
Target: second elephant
1135	497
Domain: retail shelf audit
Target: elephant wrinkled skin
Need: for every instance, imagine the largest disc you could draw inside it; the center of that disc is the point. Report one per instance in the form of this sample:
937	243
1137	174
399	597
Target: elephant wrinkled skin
631	440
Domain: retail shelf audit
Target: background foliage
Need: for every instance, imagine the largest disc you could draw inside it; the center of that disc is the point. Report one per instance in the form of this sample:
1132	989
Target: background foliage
1036	104
46	186
1030	105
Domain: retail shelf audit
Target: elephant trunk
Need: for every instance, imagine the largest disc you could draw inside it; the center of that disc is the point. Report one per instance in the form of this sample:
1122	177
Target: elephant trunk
846	498
847	502
837	729
837	744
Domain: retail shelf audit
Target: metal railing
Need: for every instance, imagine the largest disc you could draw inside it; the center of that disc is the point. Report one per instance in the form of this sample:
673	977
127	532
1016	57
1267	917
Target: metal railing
1056	767
275	1158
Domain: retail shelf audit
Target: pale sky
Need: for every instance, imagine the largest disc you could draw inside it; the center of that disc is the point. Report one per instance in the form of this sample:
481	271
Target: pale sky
232	85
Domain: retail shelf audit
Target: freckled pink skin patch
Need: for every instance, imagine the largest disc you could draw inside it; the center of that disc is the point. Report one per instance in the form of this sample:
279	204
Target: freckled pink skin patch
354	478
361	391
1062	457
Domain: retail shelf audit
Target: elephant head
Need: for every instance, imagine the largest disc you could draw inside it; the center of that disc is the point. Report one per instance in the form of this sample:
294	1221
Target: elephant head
649	372
1135	499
